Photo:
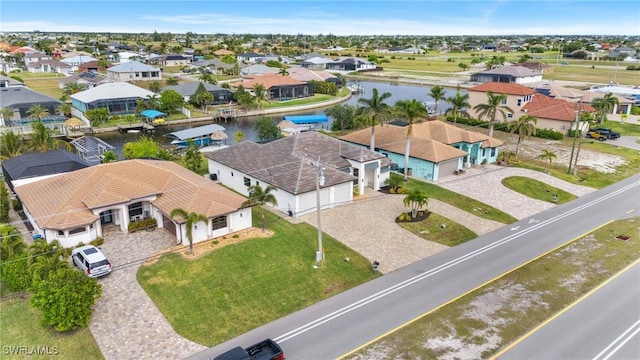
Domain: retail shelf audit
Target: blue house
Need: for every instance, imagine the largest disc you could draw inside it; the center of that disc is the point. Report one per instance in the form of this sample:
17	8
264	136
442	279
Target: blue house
436	147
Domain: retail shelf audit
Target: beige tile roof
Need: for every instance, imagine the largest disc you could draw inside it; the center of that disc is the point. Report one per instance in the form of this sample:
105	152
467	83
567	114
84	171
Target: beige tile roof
65	201
431	140
503	88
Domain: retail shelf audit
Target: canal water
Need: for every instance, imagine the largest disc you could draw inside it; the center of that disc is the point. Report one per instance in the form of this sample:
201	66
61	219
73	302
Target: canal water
398	91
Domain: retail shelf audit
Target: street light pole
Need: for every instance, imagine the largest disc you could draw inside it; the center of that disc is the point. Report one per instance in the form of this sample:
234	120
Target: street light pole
319	182
575	136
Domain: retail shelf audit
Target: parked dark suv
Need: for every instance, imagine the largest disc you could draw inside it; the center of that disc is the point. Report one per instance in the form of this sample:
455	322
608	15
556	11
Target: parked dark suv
606	132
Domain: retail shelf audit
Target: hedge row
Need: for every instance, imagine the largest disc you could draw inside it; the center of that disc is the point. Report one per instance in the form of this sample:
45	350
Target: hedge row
502	126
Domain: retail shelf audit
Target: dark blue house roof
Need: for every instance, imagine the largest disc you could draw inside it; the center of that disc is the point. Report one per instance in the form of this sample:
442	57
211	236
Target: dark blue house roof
41	164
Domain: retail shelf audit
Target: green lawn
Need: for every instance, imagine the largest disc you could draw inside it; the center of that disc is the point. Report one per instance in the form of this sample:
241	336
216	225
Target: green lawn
462	202
297	102
493	316
431	229
238	287
537	189
20	326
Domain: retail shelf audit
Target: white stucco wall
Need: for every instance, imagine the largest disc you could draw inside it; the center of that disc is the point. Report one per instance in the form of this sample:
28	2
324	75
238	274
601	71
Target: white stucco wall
202	231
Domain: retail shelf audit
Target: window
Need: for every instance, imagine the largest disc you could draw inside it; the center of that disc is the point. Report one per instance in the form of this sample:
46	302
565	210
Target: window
219	223
493	152
76	231
247	181
60	233
484	152
519	102
504	101
510	116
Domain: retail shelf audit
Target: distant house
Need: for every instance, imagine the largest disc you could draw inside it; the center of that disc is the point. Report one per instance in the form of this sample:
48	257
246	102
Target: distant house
76	61
517	96
410	50
286	163
34	166
316	63
279	87
49	66
20	99
170	60
133	70
223	52
34	57
351	64
258	69
249	57
214	65
187	89
74	207
508	74
117	97
437	148
7	67
85	79
305	74
93	66
536	66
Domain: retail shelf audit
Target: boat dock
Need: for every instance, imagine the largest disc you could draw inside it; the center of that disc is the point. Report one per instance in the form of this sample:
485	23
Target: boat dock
227	113
136	127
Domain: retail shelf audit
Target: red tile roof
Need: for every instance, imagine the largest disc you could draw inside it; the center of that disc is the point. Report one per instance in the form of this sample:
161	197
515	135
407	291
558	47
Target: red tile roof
554	109
504	88
267	80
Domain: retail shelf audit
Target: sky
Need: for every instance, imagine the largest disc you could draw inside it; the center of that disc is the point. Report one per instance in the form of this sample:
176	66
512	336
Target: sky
372	17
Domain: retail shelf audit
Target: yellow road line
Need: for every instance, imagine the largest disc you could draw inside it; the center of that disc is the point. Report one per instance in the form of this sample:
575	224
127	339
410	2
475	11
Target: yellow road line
582	298
472	290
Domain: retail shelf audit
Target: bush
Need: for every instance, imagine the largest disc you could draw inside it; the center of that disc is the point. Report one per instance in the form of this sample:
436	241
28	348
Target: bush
15	273
635	110
404	217
549	134
66	299
142	224
17	205
98	241
323	87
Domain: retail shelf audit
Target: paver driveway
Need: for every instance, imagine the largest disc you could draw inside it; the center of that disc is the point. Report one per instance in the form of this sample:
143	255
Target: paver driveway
126	323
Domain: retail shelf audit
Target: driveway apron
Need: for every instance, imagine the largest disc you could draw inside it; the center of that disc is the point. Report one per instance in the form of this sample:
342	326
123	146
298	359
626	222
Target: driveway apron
126	323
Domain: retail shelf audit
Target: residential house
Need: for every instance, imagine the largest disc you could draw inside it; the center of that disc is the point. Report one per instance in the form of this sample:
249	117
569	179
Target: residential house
8	67
316	63
279	87
557	114
75	207
49	66
85	79
35	166
410	50
78	60
517	96
536	66
351	64
258	69
437	148
279	58
508	74
295	165
93	66
214	65
133	70
250	57
170	60
117	97
223	52
187	89
34	57
306	75
585	96
20	99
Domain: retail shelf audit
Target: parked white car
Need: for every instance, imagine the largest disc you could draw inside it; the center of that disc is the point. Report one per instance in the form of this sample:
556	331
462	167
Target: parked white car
91	261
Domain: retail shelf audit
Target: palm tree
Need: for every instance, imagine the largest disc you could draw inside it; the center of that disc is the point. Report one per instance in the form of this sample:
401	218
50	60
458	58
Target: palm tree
45	257
525	126
191	219
437	93
343	117
458	104
259	196
416	200
64	109
10	145
377	111
283	72
605	105
492	108
409	110
238	136
172	81
7	114
549	156
42	139
11	242
72	88
152	101
37	111
155	86
261	94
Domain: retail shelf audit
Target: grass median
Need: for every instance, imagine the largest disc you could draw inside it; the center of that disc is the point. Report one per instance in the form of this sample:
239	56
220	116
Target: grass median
482	322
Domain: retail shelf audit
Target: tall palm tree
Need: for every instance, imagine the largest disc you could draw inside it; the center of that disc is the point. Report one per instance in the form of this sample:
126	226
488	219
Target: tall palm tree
191	219
10	145
283	72
72	88
377	111
7	114
437	93
549	156
239	136
260	196
261	94
42	139
492	108
409	110
525	126
459	104
37	111
64	109
172	81
605	105
11	242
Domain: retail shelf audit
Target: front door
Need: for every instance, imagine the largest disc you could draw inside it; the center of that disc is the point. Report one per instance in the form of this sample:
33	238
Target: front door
106	217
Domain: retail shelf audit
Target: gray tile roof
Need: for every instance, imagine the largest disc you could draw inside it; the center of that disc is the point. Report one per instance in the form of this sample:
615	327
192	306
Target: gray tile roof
285	163
11	96
131	66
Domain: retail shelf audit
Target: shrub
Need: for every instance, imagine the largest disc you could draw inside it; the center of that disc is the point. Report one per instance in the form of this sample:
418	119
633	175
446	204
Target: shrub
15	273
66	299
635	110
549	134
142	224
98	241
404	217
17	205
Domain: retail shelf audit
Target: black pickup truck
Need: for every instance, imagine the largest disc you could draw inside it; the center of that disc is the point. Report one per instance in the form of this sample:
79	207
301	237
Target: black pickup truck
264	350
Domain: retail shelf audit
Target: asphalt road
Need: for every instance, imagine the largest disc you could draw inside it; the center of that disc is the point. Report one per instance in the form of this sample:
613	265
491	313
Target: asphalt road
338	325
603	325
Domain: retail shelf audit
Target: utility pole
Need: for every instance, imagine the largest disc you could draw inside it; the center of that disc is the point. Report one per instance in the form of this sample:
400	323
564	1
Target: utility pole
319	182
575	136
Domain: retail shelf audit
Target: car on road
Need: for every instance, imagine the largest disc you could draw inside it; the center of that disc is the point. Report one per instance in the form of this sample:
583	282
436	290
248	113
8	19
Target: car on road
608	133
91	261
596	136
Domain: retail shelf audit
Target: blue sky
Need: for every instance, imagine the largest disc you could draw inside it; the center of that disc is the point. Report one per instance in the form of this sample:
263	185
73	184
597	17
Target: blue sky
377	17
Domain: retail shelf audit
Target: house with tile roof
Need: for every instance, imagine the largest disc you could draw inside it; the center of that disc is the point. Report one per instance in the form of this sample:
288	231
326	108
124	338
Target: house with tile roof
49	66
292	163
517	96
86	79
187	89
118	97
436	148
75	207
258	69
306	74
508	74
280	87
133	70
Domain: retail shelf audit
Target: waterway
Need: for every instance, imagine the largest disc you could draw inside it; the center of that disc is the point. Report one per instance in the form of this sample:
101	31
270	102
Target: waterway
398	91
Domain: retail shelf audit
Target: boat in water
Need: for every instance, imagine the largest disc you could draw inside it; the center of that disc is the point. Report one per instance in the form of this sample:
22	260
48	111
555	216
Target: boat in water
307	122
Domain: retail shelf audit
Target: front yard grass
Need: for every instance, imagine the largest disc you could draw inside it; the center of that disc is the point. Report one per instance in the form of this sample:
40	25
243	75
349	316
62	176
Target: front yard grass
432	229
20	326
482	322
234	289
537	189
297	102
